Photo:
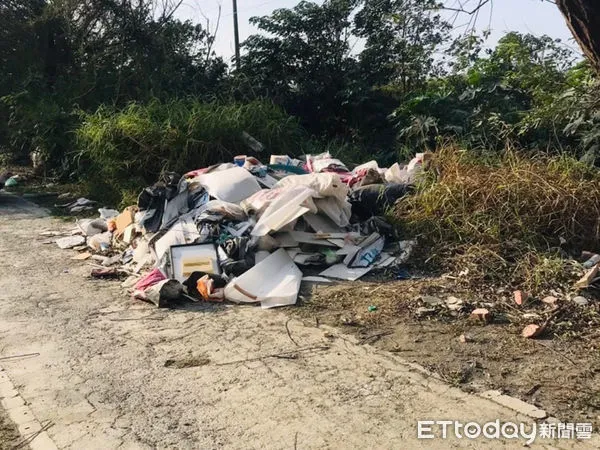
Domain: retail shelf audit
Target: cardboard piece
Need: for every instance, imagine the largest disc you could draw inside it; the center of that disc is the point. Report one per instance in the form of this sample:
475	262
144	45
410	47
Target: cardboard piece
125	219
82	256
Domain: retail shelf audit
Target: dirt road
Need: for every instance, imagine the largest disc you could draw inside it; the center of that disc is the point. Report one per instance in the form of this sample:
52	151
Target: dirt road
114	373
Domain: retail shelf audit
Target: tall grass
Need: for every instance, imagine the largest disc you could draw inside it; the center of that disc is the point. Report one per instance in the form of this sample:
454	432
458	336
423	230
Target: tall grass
505	217
129	148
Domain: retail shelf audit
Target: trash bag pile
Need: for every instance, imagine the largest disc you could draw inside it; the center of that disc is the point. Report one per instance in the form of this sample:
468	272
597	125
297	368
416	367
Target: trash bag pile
247	232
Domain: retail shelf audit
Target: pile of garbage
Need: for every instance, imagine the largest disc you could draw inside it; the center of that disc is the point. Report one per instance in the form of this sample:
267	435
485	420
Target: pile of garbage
246	232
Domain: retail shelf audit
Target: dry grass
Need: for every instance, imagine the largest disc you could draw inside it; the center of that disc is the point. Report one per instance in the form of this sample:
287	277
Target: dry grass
506	218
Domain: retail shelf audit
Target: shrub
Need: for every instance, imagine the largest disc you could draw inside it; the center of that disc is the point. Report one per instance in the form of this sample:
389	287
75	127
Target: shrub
129	148
38	124
504	217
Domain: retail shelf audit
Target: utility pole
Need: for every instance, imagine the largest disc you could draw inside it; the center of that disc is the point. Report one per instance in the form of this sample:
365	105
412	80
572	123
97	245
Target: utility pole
236	34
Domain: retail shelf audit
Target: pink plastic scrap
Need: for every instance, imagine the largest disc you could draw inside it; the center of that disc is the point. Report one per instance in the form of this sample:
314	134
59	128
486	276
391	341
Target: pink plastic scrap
197	172
149	280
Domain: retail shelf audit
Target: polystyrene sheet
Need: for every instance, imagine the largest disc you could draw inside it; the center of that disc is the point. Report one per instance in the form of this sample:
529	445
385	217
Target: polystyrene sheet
275	281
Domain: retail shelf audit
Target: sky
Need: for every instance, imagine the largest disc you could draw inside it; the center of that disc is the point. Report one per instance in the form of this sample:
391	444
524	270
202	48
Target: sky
527	16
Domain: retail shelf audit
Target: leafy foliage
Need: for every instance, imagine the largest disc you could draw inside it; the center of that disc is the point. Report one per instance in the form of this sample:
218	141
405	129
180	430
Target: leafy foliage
401	37
60	56
303	62
510	96
132	146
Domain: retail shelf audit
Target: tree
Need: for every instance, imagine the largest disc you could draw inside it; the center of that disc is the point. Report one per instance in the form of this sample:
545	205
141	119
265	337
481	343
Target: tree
583	18
302	60
508	95
61	56
402	37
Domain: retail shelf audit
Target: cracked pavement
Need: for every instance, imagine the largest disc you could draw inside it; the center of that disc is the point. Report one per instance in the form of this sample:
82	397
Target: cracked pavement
100	376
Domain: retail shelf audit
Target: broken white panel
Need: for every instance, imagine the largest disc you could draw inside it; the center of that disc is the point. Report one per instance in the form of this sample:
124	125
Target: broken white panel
287	207
261	255
184	231
231	185
385	260
285	240
347	250
293	251
319	280
310	238
342	272
340	243
321	224
70	242
273	282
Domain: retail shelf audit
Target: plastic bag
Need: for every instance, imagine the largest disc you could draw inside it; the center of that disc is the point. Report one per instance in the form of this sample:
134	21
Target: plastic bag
323	184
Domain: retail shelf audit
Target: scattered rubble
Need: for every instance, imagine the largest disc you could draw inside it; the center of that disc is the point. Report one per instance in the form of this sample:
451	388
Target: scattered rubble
520	297
481	315
581	301
532	331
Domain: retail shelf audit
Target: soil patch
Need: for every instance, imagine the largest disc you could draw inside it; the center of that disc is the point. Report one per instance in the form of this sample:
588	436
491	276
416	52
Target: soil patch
420	319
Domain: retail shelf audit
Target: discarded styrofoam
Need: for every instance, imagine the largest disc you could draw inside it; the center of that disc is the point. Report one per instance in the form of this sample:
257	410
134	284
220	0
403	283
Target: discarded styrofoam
343	272
231	185
273	282
70	242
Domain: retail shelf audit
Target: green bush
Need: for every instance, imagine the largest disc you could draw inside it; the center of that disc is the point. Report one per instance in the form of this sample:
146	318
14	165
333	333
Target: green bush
37	124
505	217
129	148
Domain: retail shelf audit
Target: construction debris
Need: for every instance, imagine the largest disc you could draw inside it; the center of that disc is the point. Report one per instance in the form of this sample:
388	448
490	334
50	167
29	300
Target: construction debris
242	231
481	315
